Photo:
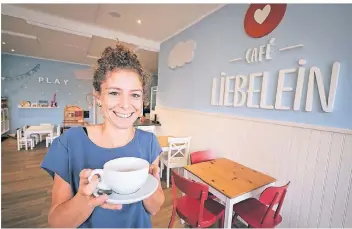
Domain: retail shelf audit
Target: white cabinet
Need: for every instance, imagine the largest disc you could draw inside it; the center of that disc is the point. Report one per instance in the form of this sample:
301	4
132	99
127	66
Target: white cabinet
5	121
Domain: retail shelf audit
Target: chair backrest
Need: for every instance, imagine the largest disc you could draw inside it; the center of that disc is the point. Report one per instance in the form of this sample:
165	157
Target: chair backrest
272	196
179	149
190	188
202	156
19	134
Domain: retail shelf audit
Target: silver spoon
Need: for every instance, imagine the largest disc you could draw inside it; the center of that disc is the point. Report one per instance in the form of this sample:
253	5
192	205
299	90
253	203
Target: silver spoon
102	191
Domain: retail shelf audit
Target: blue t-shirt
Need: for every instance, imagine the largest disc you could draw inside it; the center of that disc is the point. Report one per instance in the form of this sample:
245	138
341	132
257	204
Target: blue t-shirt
73	151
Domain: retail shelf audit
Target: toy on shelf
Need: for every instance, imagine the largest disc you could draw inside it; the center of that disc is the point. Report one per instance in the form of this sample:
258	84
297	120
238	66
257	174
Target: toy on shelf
25	103
53	102
73	116
43	103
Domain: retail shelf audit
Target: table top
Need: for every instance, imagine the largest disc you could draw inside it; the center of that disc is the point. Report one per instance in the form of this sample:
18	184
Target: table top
228	177
43	127
163	141
67	124
146	122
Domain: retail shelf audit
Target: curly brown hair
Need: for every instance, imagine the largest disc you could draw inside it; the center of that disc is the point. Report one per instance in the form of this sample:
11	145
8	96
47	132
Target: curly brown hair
120	57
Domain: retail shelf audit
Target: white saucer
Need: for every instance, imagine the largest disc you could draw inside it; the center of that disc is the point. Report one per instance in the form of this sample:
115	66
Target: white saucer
149	187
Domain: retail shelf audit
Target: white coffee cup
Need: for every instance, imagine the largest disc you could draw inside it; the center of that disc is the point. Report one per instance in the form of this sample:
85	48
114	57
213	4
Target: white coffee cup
123	175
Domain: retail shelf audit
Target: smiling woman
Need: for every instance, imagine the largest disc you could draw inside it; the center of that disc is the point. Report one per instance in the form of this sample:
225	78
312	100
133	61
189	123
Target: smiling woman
120	83
121	105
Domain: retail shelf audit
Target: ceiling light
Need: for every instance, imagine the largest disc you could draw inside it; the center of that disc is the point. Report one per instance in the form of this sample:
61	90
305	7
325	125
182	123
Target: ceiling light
12	50
3	43
139	21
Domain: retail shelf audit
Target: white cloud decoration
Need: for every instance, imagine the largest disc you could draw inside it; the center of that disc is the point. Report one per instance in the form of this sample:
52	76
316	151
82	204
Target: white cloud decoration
182	53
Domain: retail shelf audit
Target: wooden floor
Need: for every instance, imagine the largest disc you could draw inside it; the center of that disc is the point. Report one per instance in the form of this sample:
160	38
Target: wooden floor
26	190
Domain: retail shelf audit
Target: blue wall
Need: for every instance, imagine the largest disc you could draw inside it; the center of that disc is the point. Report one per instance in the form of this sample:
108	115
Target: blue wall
324	30
31	90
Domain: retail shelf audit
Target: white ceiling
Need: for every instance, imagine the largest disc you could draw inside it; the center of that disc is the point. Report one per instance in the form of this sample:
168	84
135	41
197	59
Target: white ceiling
78	33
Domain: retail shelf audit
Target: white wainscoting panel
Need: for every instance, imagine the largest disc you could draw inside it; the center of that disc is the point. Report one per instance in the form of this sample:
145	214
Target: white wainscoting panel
317	160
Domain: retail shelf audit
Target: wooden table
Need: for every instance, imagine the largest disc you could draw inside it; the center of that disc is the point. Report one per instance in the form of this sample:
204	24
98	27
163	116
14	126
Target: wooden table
146	122
42	129
231	182
163	141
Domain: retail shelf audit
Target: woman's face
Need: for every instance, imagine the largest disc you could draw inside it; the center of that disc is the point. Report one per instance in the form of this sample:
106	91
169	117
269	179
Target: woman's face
121	98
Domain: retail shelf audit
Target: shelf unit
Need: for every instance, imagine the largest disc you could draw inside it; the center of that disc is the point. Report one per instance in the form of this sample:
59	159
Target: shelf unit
5	121
37	107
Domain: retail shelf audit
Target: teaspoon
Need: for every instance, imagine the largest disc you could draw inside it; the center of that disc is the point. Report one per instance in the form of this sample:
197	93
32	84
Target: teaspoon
102	191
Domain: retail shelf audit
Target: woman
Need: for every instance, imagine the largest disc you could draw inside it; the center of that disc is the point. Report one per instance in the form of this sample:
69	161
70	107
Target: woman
119	82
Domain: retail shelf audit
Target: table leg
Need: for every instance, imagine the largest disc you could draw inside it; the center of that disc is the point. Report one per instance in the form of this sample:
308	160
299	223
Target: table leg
25	138
52	135
182	222
185	173
228	213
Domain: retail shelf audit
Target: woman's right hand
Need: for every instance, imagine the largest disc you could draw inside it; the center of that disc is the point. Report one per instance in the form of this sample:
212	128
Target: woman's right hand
87	188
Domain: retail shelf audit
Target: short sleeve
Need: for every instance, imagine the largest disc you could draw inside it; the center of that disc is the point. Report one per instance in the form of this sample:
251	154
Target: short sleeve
56	160
155	149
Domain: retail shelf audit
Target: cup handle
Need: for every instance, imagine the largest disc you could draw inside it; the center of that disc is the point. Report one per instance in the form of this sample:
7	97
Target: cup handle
100	173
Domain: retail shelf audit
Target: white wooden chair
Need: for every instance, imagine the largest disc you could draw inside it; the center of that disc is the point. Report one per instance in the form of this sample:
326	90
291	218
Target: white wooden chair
22	141
176	156
36	137
150	129
49	139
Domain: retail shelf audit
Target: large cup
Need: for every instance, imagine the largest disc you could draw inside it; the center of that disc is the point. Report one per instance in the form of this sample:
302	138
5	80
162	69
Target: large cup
123	175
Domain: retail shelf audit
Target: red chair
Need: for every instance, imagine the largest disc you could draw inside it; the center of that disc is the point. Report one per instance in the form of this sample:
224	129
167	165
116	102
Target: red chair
194	207
202	156
260	213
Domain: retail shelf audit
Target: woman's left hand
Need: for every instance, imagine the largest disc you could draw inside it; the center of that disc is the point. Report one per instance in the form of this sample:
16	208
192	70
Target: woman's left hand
155	171
154	202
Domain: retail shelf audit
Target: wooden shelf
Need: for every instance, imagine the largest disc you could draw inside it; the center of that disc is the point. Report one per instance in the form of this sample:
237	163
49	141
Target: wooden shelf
37	107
